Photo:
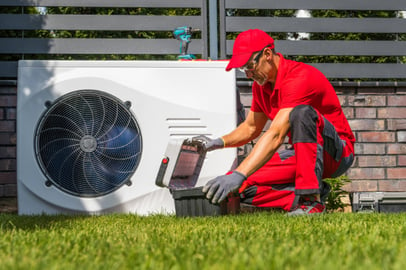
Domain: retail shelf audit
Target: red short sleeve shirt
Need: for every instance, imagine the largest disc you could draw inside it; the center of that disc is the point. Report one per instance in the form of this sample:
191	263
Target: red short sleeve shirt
301	84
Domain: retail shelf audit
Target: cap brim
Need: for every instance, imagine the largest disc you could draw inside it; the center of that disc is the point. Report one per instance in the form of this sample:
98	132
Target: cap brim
237	61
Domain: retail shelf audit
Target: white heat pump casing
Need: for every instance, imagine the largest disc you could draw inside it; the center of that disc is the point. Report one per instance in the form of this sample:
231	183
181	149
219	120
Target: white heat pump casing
169	99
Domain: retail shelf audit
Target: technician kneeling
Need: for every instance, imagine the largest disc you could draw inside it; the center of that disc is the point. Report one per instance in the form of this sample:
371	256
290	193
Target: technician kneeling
302	105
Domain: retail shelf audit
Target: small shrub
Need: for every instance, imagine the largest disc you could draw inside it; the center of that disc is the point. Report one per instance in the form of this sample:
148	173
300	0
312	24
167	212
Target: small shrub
334	200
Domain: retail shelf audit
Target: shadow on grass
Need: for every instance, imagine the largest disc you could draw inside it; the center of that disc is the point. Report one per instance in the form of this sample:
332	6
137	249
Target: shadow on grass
10	222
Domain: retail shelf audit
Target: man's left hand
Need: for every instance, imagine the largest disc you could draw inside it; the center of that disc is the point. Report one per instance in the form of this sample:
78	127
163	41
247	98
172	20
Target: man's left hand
218	188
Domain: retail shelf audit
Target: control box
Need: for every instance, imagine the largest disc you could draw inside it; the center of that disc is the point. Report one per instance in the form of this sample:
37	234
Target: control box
181	165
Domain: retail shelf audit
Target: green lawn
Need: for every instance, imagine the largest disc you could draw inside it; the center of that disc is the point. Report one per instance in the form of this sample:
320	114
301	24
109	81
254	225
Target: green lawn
247	241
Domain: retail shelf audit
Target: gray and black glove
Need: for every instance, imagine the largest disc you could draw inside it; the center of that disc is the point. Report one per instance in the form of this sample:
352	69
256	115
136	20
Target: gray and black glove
218	188
209	144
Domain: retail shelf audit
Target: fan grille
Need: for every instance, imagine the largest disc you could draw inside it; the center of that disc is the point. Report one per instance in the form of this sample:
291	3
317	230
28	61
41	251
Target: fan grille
88	143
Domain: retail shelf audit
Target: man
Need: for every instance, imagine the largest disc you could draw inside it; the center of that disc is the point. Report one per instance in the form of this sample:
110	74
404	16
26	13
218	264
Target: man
302	105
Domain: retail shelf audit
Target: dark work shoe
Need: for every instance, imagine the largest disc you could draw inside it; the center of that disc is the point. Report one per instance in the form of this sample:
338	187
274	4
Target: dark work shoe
307	206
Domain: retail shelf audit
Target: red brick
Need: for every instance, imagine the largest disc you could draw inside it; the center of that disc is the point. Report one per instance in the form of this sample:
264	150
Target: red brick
348	112
401	160
8	101
8	90
396	149
11	113
7	152
370	149
7	126
10	190
396	173
8	138
366	173
376	161
246	111
391	185
398	100
246	99
367	124
396	124
8	165
391	112
361	185
401	135
376	137
343	100
369	101
365	112
8	177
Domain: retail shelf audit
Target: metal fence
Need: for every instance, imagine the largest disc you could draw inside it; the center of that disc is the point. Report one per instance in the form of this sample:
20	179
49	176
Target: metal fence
24	46
325	26
218	22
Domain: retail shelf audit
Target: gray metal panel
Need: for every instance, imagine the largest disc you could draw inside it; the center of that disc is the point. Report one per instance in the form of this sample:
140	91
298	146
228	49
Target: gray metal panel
204	29
312	25
321	25
104	3
382	71
8	69
335	47
95	46
222	31
7	82
213	29
318	4
357	71
248	84
97	22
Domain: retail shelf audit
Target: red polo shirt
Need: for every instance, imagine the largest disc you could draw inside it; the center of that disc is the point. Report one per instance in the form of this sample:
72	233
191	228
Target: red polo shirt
297	84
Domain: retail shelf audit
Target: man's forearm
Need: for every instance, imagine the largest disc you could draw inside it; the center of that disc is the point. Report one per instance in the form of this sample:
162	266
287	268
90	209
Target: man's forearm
240	136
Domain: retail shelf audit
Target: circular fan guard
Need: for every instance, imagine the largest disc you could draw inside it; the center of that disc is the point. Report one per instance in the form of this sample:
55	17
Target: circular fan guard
88	143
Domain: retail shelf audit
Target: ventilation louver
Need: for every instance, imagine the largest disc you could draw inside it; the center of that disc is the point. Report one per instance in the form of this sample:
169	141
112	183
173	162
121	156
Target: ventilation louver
88	143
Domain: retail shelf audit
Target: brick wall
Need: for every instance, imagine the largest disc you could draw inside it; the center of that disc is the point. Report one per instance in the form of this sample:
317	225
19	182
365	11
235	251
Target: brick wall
377	116
8	139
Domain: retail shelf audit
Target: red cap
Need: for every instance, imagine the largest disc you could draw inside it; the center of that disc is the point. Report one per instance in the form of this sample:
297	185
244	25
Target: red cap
246	43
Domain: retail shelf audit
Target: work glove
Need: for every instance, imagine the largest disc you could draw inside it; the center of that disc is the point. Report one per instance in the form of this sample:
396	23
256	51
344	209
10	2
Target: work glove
218	188
209	144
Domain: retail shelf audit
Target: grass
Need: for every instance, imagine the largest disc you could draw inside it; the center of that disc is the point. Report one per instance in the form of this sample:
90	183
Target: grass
247	241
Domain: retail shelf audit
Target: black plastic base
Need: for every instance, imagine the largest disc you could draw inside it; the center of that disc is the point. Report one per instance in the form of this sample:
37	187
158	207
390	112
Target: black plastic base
192	202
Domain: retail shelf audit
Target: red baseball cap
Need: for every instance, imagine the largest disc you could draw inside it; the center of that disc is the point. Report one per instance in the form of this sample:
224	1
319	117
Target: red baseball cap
246	43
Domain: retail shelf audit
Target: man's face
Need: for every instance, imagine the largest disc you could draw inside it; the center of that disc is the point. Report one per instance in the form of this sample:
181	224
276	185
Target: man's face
258	68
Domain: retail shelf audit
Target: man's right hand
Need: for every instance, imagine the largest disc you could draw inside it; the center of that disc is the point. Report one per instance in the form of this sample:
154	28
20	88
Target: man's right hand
218	188
209	144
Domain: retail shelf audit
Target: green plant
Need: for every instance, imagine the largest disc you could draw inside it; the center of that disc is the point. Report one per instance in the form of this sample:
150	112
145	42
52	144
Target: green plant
334	201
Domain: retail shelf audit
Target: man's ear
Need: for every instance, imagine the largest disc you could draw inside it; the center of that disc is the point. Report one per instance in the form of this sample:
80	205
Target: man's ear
268	54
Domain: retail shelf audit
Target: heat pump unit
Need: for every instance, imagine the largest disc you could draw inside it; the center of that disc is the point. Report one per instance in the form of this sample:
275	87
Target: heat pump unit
91	135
